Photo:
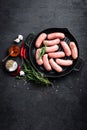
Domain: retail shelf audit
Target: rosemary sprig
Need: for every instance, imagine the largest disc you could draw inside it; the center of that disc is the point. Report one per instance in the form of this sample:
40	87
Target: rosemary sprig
42	52
32	75
35	75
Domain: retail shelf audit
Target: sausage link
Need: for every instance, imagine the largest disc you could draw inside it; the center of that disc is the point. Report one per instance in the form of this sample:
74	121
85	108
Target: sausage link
55	66
51	42
56	35
46	62
40	39
38	60
63	62
58	54
74	50
66	48
52	48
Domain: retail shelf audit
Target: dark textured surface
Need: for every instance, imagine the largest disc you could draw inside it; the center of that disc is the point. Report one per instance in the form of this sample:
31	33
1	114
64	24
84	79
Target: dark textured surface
29	106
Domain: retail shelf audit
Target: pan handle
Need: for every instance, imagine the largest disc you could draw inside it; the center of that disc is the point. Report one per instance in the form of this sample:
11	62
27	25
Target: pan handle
29	39
79	64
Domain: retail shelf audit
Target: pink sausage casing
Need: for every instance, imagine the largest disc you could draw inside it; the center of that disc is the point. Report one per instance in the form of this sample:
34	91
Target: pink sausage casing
58	54
55	66
51	42
66	48
63	62
38	60
46	62
40	39
56	35
74	50
52	48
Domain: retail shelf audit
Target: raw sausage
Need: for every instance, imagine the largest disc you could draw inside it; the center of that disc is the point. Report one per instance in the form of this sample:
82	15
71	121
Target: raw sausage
40	39
51	42
56	35
46	62
55	66
52	48
38	60
66	48
74	50
63	62
58	54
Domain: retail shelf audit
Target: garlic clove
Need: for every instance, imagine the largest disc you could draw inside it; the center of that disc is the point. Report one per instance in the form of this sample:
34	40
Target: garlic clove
20	37
22	73
17	40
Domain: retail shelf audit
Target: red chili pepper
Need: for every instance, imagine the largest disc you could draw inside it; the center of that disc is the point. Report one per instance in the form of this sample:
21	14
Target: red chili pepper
24	55
17	71
22	50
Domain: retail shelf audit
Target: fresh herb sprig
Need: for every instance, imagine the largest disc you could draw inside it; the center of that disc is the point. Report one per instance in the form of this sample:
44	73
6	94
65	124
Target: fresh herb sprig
42	52
32	75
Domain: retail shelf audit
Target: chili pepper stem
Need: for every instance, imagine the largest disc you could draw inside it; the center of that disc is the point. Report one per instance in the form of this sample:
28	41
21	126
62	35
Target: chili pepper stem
22	60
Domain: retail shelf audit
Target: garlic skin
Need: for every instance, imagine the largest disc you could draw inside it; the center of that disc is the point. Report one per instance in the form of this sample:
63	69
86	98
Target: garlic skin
22	73
20	37
17	40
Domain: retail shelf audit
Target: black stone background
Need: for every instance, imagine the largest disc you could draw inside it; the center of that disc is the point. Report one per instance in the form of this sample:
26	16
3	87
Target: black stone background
27	106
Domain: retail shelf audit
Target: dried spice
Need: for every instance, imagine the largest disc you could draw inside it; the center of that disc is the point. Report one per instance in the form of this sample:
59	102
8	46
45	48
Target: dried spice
14	50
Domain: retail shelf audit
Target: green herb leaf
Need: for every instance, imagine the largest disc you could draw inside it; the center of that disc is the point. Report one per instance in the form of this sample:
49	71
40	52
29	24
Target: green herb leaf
33	75
42	52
